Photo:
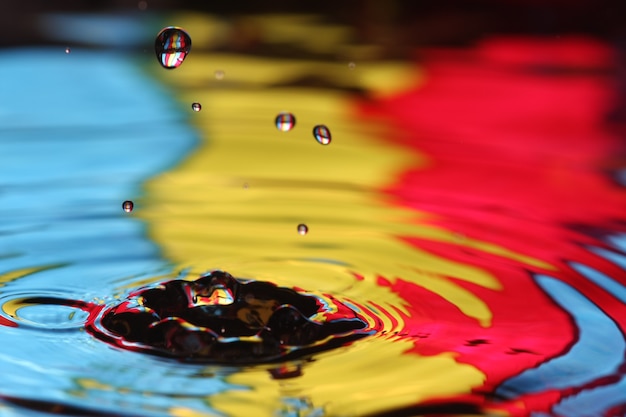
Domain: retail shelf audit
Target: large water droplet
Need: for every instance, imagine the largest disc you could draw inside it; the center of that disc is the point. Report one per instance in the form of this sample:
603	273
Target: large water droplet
196	106
128	206
285	121
303	229
322	134
172	45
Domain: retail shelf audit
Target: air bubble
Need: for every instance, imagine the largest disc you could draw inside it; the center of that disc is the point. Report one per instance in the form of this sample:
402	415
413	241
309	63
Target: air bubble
172	45
285	121
196	106
322	134
303	229
128	206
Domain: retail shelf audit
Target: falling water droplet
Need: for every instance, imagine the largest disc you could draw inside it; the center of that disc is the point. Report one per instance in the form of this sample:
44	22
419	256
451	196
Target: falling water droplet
303	229
219	75
128	206
68	50
172	45
285	121
322	134
196	106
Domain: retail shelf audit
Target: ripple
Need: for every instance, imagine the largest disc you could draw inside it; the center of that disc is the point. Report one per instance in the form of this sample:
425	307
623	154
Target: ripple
47	311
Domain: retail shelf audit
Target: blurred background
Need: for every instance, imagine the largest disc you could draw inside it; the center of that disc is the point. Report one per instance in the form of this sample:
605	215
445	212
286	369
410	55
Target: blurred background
378	30
397	25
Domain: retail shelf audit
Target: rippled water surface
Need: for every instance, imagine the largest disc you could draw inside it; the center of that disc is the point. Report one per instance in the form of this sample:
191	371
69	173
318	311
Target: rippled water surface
470	209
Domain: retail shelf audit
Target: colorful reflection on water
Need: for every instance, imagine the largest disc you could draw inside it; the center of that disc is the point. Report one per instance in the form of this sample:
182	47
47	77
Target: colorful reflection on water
468	209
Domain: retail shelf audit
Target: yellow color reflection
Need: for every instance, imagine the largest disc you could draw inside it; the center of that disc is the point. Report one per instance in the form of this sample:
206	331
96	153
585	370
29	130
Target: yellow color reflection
236	202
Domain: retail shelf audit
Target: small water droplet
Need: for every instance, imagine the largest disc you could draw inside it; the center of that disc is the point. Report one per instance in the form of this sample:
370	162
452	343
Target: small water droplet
172	45
196	106
142	5
351	65
128	206
68	50
303	229
219	75
285	121
246	185
322	134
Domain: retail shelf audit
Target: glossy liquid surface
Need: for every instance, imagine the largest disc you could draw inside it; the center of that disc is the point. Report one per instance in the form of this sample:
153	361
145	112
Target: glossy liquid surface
470	210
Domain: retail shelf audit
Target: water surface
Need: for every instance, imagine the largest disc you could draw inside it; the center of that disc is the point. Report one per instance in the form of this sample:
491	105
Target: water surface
468	206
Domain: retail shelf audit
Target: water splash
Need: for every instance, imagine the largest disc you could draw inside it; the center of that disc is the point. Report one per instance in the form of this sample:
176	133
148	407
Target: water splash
219	319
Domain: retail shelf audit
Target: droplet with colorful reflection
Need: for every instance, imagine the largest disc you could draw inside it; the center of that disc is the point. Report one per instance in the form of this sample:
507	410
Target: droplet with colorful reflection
128	206
196	106
322	134
172	45
285	122
303	229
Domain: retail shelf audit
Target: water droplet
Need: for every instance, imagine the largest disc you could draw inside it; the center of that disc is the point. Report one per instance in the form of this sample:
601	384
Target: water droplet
351	65
142	5
246	185
196	106
322	134
285	121
219	75
68	50
128	206
303	229
172	45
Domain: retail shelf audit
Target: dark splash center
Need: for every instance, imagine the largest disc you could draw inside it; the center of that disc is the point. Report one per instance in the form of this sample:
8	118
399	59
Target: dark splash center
220	319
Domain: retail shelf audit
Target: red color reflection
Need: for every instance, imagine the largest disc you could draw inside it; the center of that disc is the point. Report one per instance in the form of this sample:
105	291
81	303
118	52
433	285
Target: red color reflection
519	153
